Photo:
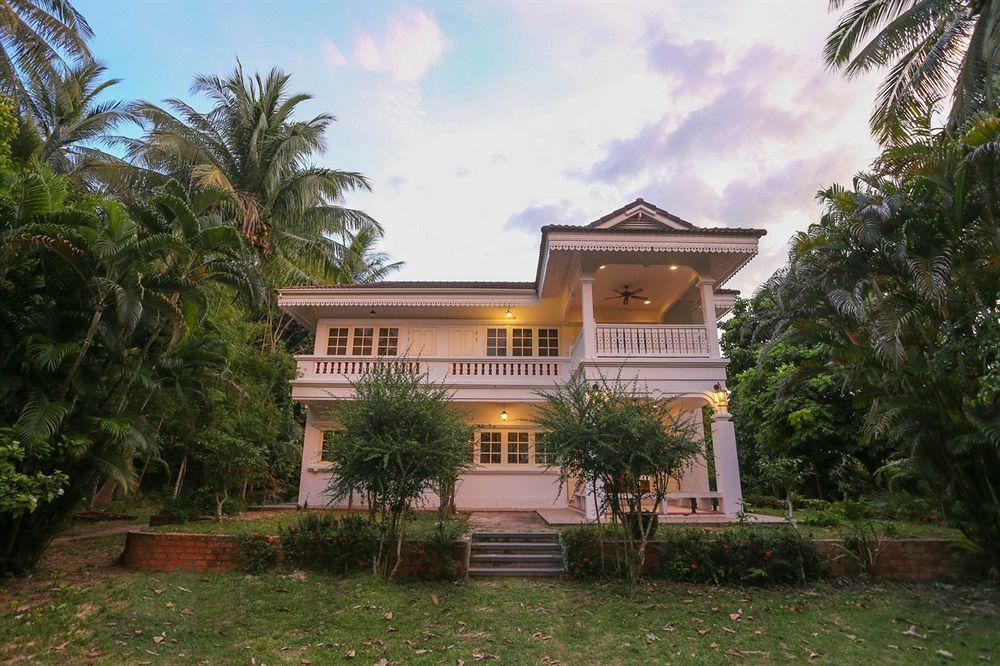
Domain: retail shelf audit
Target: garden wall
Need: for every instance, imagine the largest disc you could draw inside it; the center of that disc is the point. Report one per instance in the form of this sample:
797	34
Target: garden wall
174	551
910	560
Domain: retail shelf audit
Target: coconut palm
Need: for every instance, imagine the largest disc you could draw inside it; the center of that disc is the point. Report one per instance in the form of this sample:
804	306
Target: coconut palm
36	38
361	262
935	49
69	118
250	145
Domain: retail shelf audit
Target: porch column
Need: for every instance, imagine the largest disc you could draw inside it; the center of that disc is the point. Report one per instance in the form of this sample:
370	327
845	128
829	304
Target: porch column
589	324
727	463
592	501
312	450
708	314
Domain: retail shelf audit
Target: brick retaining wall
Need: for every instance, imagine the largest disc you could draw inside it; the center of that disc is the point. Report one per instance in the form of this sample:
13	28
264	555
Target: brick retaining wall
907	560
901	559
176	551
173	551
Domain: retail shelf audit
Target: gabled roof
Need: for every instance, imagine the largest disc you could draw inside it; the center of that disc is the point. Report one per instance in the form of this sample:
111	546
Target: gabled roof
424	284
640	216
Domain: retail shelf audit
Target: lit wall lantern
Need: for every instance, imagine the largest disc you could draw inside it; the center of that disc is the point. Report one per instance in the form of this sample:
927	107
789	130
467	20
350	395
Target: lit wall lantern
673	267
509	314
504	415
721	395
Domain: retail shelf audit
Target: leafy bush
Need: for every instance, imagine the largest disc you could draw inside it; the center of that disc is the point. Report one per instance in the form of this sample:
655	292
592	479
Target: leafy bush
199	503
814	503
822	518
739	555
763	501
582	551
256	553
436	552
340	544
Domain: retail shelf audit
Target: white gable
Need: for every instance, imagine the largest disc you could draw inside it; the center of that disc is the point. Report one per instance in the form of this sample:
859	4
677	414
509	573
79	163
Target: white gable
641	216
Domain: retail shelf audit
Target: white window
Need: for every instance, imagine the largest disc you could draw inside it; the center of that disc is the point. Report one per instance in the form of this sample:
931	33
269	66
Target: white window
517	448
496	342
543	456
489	448
548	342
521	339
363	341
324	451
388	341
337	342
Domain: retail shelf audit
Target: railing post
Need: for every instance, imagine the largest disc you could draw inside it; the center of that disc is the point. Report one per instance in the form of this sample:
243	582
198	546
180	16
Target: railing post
589	324
708	314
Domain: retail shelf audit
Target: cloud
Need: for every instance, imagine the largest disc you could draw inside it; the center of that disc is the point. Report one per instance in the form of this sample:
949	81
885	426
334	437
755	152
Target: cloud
686	196
406	48
688	63
534	217
332	56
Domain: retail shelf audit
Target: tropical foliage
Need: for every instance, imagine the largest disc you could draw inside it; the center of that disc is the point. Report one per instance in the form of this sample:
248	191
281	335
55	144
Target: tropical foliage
900	280
250	145
36	37
934	50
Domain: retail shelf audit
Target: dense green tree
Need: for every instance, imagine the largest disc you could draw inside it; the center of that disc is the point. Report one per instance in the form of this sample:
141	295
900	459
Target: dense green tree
901	281
789	401
398	439
934	49
94	299
36	37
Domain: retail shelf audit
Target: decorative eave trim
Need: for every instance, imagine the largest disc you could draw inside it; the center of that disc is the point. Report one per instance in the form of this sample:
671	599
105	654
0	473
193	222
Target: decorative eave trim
407	301
618	245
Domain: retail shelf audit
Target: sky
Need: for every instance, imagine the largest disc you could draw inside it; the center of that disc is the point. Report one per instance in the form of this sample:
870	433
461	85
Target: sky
477	123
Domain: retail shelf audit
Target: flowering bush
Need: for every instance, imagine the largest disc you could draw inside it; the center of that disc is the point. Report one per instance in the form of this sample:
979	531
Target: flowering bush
340	544
582	552
256	553
435	552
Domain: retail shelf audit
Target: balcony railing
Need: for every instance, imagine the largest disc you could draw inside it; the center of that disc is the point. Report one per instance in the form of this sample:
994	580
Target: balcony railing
466	370
649	341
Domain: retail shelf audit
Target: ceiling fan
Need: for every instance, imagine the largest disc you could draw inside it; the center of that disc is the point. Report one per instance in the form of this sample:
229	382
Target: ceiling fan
625	294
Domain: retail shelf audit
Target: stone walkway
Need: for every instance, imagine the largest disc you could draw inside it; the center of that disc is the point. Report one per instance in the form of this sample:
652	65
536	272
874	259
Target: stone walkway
507	521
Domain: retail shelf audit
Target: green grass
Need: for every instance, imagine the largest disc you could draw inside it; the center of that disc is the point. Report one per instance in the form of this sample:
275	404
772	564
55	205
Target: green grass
311	618
272	522
904	529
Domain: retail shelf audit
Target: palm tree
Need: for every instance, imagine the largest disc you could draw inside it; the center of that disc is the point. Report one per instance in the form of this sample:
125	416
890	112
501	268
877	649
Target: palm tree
68	116
36	37
934	48
361	262
250	145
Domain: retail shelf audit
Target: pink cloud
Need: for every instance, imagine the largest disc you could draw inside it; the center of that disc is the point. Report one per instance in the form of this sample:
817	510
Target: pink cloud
405	49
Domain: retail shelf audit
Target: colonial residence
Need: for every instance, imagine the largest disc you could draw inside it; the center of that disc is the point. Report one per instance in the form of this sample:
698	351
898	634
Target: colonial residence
632	296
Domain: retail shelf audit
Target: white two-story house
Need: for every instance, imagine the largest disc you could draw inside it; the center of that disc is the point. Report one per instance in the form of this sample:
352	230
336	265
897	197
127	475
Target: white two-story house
635	294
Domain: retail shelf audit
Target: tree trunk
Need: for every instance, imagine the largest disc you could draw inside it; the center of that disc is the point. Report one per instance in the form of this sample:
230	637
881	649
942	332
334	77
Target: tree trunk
180	476
220	500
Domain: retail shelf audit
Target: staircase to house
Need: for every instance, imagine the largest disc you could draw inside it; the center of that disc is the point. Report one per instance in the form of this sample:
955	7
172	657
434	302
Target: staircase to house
515	554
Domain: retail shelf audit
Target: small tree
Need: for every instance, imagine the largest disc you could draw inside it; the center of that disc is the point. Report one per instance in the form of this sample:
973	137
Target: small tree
399	439
625	445
784	474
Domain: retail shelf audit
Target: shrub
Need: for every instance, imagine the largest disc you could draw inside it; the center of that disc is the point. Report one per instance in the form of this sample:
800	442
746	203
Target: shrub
198	504
814	503
582	551
322	541
822	518
256	553
739	555
436	552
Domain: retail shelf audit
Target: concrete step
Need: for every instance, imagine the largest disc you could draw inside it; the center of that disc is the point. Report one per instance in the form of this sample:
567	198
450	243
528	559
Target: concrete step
515	571
518	537
515	547
516	558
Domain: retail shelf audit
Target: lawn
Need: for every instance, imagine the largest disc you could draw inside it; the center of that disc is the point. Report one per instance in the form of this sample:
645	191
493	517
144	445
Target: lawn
270	522
81	608
904	529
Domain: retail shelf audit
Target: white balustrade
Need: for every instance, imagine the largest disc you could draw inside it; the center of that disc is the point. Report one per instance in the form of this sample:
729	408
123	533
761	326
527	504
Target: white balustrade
649	341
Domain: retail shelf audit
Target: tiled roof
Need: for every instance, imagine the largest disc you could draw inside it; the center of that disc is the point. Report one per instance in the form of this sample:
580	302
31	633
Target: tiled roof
693	231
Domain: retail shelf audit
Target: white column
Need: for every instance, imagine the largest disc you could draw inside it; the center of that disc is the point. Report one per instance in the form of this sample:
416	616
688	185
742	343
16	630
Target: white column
708	314
727	463
589	324
310	487
695	479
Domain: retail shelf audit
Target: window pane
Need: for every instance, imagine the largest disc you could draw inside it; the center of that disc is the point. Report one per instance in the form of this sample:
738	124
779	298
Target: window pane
517	448
489	448
362	341
388	341
542	454
337	342
324	453
548	342
496	342
521	342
